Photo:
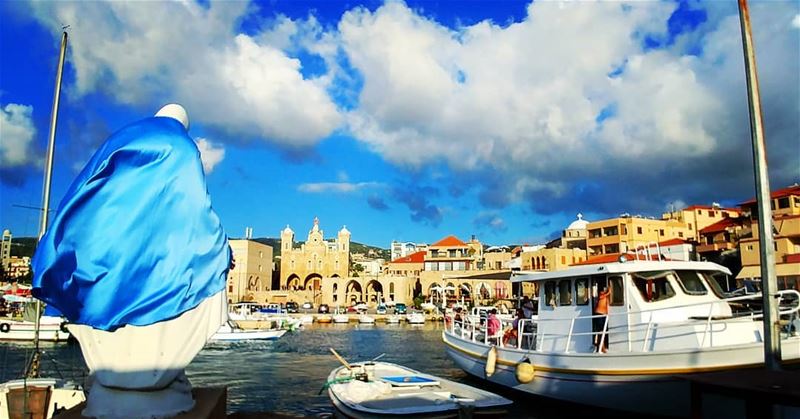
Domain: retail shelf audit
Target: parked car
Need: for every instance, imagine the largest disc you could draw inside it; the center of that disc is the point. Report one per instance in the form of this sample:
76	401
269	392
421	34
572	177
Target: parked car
292	307
400	308
323	308
381	309
351	309
308	306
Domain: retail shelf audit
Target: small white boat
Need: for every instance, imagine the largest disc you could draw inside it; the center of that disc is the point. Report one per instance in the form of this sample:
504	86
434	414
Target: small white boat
51	329
392	319
307	319
382	389
56	393
324	318
340	317
230	333
365	319
415	318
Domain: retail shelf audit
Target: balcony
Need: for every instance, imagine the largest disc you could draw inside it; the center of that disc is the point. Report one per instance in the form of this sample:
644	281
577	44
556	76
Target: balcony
791	258
715	247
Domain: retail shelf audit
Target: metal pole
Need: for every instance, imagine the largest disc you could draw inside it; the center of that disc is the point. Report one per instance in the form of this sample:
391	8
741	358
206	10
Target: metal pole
48	173
769	281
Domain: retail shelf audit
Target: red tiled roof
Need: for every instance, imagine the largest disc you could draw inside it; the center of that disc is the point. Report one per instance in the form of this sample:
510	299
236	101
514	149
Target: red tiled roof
672	242
719	226
612	257
780	193
418	257
449	241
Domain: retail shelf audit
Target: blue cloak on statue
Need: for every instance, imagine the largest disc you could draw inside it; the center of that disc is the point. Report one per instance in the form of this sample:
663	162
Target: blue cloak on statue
135	240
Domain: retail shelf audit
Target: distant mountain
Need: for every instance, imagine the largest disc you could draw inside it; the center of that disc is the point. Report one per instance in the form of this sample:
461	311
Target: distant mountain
23	246
355	247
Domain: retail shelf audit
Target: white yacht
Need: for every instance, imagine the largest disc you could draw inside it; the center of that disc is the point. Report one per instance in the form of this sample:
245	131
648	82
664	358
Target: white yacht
340	317
665	318
415	318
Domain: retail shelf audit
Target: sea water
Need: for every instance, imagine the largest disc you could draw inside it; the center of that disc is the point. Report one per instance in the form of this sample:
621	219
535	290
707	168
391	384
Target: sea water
286	375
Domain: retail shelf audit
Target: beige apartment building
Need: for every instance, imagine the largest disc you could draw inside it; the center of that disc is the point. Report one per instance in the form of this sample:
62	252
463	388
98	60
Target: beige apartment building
786	222
552	259
304	267
252	275
698	217
626	233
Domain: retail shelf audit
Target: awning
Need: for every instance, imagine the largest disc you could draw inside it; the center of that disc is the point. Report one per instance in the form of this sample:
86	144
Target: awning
781	269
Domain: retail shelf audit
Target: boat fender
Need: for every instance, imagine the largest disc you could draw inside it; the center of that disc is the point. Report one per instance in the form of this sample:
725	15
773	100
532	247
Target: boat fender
5	327
63	327
491	360
525	371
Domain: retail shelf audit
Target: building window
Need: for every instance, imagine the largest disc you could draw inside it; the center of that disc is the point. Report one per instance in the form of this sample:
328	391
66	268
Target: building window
612	248
783	202
563	260
680	234
452	253
594	233
749	247
624	229
610	231
638	230
690	226
661	232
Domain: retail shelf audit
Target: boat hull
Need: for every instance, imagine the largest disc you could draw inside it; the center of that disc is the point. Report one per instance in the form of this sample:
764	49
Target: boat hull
14	330
245	335
435	400
610	381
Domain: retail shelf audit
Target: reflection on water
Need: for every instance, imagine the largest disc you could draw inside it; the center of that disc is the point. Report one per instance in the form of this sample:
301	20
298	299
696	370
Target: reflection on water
285	376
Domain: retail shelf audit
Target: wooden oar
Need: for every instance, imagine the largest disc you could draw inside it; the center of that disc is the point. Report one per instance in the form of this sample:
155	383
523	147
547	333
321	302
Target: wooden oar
342	360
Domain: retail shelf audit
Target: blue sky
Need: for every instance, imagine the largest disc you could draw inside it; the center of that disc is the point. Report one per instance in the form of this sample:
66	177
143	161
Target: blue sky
411	120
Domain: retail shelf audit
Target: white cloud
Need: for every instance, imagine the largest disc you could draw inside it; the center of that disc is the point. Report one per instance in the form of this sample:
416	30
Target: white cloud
16	134
522	102
191	54
796	21
210	153
338	187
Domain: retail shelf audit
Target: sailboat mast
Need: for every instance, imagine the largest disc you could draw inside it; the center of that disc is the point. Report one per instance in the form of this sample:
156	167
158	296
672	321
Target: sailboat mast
48	173
769	280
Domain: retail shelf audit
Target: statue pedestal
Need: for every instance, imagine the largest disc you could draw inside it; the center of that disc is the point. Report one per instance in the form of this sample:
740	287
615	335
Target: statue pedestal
210	403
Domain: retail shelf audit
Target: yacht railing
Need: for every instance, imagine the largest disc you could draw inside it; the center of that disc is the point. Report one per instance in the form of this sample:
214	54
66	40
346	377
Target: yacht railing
528	337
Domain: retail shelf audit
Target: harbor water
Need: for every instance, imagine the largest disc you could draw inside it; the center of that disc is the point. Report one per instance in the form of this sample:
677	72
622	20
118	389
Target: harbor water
286	376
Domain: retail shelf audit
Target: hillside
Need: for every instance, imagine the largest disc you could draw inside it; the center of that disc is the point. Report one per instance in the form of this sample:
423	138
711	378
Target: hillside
24	246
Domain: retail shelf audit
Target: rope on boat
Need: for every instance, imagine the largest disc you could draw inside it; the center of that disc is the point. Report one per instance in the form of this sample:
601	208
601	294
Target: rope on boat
334	381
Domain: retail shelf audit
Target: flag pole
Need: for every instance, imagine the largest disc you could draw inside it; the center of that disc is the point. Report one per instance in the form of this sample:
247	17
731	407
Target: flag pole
769	280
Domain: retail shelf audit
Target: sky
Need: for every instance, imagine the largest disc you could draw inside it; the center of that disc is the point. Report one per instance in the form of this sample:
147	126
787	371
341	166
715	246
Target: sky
410	121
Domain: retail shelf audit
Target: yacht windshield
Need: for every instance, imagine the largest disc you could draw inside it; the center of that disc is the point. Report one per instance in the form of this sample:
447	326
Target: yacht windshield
654	286
691	282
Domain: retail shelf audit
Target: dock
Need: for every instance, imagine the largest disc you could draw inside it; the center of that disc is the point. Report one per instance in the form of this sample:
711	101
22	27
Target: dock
761	392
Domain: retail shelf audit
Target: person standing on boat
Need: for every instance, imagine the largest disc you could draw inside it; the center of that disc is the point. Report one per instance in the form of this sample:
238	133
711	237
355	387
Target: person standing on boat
600	322
493	326
527	307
